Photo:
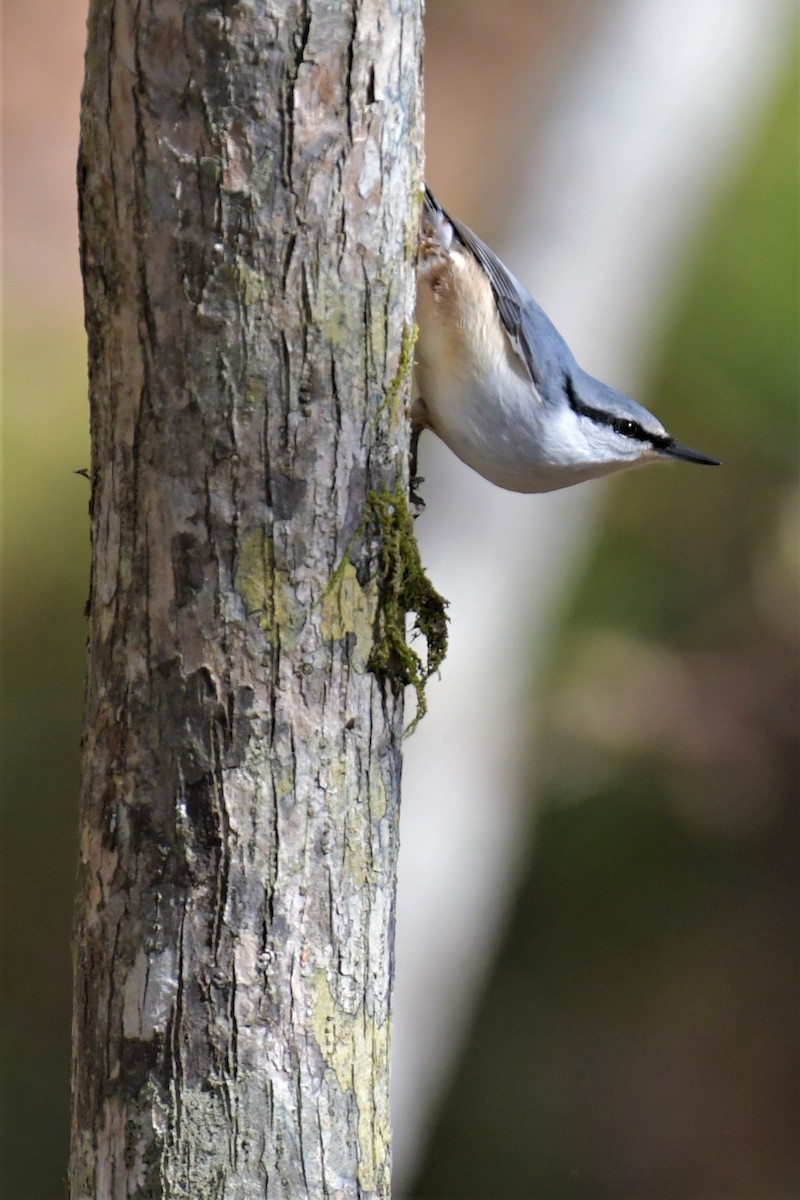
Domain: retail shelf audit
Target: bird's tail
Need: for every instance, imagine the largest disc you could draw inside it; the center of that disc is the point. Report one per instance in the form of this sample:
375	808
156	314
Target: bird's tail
430	204
437	229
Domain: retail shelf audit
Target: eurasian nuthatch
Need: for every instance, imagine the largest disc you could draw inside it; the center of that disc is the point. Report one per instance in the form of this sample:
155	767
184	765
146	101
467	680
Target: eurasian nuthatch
499	385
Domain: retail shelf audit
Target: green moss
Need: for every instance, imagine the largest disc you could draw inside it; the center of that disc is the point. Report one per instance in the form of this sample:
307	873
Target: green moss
266	590
411	233
210	169
253	286
376	612
397	387
355	1046
347	607
255	576
403	587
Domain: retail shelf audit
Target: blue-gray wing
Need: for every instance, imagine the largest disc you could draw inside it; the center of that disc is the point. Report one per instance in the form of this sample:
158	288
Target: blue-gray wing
510	297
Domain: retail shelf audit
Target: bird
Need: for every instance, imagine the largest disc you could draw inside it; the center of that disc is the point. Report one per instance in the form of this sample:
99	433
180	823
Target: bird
495	380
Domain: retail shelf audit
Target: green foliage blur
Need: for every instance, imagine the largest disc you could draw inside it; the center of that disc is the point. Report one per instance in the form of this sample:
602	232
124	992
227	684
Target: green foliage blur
44	588
639	1034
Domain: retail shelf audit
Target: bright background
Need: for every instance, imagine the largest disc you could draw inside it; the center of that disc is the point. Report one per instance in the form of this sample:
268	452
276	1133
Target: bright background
598	926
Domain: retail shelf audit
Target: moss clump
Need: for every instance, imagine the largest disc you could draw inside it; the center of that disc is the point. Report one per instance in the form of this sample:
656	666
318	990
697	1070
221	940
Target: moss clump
403	587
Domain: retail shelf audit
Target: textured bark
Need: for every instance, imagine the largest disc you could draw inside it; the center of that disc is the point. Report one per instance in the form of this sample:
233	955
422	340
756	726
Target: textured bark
249	183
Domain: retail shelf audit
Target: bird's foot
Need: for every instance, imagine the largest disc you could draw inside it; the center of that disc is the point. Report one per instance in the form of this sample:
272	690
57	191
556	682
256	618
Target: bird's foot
416	501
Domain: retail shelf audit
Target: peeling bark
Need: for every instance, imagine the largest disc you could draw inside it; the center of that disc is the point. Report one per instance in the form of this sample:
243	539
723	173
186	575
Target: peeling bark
249	178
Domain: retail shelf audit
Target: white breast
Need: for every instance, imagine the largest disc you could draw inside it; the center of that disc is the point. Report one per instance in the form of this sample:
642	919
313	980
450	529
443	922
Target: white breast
476	395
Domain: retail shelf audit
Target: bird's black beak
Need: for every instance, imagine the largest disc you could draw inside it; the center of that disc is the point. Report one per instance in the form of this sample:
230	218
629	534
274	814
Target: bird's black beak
676	450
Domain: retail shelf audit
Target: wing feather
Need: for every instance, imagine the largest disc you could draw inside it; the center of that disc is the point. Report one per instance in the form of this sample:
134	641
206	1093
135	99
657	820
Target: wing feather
510	298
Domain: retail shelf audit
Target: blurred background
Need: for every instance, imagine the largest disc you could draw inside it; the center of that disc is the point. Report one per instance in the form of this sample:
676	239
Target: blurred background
598	921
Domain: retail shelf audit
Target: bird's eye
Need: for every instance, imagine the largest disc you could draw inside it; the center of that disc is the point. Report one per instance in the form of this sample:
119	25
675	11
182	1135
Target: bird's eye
626	428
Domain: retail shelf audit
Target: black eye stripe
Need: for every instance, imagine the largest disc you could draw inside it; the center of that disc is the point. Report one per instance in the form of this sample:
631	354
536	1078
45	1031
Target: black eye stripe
624	426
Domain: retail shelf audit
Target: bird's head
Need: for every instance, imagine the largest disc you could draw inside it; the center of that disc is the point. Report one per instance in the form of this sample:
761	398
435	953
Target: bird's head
599	430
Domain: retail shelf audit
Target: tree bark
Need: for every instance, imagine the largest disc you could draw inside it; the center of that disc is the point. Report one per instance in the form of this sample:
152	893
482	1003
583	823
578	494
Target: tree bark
249	179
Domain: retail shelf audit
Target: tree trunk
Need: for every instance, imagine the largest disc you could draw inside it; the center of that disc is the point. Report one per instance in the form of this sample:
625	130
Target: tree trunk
249	181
